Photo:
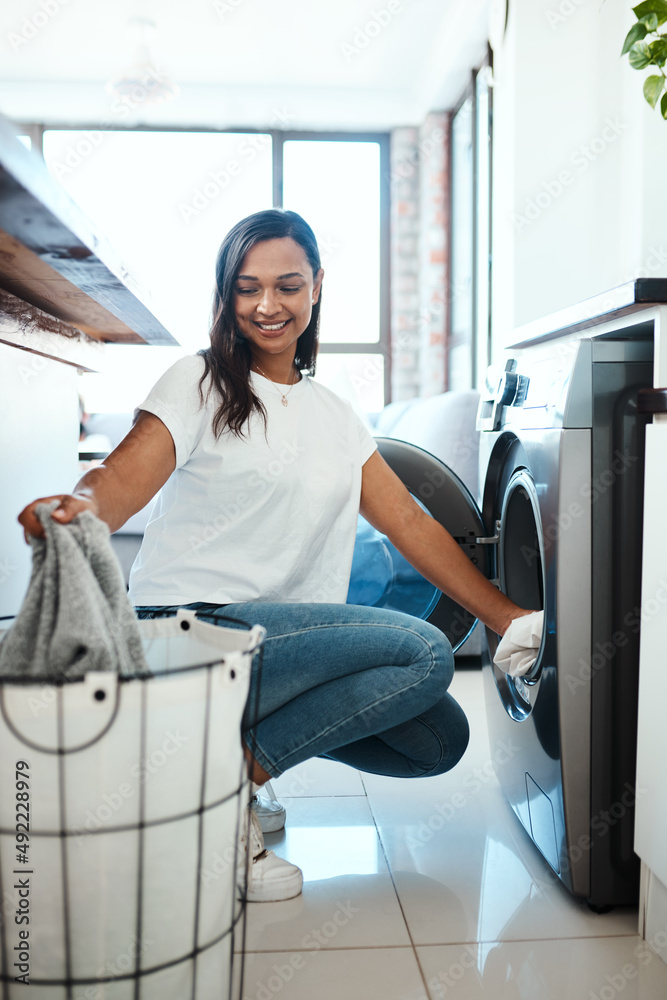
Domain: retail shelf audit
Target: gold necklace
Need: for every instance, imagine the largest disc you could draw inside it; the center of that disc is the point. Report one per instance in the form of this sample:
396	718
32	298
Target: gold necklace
283	395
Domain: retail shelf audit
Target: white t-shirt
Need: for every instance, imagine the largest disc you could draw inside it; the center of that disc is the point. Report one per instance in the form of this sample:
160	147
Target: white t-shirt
259	518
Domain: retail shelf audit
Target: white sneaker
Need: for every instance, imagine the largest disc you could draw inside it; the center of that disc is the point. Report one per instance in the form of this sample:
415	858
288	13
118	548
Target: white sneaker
267	809
268	877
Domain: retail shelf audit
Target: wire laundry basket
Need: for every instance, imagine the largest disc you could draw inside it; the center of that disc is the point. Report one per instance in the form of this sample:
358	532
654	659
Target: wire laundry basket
121	801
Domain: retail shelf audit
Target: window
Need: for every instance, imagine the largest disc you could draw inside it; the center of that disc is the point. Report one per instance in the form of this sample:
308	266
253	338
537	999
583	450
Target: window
165	198
335	184
460	365
482	202
470	278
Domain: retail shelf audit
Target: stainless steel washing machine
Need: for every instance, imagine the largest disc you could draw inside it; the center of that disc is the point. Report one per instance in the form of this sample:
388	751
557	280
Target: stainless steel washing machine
562	447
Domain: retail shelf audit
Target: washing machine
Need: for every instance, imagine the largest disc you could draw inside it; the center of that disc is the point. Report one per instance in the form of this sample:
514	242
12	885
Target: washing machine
558	528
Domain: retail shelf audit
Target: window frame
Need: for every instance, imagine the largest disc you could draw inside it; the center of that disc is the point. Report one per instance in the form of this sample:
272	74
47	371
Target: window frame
382	346
480	337
467	95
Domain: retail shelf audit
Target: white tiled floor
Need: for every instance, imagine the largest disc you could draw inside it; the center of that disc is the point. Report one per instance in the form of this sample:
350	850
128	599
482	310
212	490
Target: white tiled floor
415	892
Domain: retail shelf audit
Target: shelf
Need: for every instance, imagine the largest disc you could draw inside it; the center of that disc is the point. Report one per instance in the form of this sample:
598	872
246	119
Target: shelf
618	302
52	258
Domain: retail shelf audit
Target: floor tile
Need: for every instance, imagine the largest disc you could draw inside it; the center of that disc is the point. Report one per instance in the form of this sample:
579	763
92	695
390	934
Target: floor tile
330	836
318	776
480	878
348	898
352	911
376	974
487	914
464	868
578	969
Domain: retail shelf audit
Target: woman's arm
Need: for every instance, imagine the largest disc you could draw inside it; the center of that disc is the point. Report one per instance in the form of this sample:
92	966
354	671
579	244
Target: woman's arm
389	507
127	479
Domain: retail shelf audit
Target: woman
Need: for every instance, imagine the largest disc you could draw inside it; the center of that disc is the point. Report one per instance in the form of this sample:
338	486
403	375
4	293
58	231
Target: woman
262	473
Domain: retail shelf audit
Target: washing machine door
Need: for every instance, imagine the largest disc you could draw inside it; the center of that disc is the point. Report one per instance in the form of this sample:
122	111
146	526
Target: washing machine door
382	578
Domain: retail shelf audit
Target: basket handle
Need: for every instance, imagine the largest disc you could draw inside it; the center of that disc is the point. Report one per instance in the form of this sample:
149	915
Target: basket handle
61	718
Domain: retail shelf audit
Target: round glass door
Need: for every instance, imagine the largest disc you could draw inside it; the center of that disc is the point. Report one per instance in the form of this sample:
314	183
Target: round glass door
521	546
521	569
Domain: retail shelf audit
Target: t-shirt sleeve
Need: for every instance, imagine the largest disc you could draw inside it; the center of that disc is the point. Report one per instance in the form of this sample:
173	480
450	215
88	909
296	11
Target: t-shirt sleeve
367	443
176	401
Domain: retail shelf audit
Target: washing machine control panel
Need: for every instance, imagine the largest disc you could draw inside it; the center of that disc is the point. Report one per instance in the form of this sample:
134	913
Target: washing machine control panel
531	390
510	389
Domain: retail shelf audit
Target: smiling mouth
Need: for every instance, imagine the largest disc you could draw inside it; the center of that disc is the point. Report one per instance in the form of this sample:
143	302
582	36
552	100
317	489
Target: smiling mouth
272	327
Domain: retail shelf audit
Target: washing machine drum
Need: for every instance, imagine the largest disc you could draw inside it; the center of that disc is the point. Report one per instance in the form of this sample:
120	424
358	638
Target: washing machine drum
382	578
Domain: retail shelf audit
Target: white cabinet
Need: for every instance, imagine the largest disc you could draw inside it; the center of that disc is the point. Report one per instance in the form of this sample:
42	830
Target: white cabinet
39	434
651	814
651	808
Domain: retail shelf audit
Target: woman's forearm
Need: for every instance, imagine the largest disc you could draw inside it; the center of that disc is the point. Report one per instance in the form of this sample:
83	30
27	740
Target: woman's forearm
132	474
106	496
435	554
389	507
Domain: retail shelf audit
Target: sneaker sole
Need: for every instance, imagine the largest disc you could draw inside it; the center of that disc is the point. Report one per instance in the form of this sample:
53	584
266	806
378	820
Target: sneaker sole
274	893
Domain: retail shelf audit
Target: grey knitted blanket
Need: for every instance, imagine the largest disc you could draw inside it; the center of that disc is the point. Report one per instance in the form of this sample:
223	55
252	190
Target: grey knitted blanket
76	615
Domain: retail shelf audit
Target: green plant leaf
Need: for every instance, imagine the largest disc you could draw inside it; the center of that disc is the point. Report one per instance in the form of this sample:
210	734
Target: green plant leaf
658	7
663	105
658	50
640	55
653	88
635	34
651	22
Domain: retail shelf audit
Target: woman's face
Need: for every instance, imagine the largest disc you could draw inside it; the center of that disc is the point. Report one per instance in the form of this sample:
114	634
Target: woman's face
274	295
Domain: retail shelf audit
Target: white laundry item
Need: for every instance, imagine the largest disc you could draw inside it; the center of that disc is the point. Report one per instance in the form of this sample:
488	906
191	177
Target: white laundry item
517	650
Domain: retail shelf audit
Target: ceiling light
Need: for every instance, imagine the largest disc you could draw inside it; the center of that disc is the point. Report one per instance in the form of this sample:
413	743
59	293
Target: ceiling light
142	83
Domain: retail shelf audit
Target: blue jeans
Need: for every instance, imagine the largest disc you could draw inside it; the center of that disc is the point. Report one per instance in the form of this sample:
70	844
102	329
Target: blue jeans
364	686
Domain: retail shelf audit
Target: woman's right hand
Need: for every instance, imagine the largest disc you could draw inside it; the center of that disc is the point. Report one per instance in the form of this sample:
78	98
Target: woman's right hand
69	506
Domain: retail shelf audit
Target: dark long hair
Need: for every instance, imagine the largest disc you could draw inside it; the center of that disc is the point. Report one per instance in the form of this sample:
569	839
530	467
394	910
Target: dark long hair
227	361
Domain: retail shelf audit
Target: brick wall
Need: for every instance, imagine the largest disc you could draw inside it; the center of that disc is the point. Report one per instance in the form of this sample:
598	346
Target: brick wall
419	257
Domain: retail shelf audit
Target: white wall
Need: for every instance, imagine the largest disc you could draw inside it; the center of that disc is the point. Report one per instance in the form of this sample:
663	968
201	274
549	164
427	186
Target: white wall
577	152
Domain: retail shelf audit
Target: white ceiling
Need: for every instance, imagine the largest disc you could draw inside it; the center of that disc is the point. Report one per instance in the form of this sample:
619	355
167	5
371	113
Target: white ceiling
331	64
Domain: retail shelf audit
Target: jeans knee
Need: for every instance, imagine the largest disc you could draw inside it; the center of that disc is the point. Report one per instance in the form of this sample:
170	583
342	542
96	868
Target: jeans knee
450	734
446	658
454	744
440	652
